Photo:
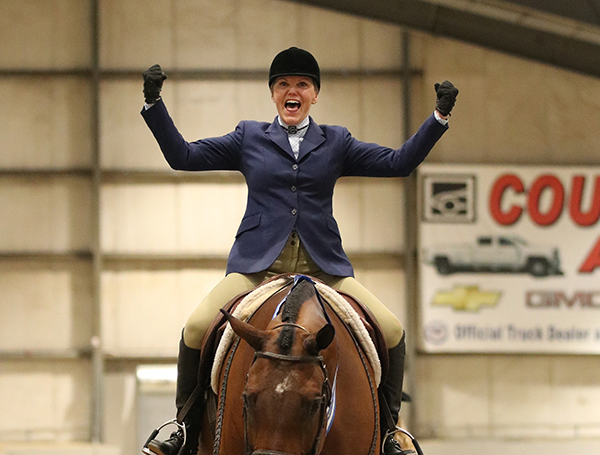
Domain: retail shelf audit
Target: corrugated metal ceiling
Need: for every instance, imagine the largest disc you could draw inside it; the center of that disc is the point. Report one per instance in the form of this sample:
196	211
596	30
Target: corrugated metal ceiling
561	33
587	11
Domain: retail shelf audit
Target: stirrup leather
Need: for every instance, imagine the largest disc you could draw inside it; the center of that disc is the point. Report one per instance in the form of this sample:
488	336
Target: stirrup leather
153	435
402	430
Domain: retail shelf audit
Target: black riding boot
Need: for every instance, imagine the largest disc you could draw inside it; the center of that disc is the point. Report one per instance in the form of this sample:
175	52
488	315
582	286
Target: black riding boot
391	390
188	365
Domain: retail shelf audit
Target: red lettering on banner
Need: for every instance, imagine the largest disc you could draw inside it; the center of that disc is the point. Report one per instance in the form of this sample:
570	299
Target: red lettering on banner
592	261
501	185
593	214
543	183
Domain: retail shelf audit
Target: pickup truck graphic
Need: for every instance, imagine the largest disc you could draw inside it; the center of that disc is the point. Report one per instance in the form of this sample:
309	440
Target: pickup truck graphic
504	254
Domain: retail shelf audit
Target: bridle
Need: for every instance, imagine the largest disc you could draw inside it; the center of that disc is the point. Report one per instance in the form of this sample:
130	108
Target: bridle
326	393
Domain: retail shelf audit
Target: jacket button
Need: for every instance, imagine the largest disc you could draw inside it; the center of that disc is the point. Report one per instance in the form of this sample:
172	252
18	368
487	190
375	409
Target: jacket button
294	211
295	167
293	188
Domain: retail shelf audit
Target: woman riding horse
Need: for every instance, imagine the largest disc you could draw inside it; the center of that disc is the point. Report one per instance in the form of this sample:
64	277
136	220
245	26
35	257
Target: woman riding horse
290	167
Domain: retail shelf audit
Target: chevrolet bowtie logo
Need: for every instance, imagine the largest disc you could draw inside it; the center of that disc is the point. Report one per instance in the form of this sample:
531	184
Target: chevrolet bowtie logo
466	298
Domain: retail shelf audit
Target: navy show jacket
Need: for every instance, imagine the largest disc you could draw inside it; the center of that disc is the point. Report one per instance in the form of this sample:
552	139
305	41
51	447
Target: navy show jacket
285	193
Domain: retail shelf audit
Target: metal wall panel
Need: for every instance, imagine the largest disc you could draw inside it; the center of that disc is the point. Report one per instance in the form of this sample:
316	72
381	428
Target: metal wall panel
48	123
44	400
511	397
171	219
145	311
45	305
50	214
52	34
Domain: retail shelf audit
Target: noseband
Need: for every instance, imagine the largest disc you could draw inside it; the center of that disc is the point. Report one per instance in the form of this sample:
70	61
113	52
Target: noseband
325	390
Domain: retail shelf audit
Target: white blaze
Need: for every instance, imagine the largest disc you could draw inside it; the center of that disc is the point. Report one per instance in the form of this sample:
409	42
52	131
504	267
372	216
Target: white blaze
284	386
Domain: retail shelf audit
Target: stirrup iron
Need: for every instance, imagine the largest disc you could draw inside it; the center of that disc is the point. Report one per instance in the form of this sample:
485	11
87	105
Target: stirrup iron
402	430
153	435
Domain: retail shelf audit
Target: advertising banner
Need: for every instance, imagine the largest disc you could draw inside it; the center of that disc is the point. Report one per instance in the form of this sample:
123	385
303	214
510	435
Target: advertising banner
509	259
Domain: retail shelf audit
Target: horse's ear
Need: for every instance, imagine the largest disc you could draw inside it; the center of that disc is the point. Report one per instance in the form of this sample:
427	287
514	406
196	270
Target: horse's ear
253	336
316	342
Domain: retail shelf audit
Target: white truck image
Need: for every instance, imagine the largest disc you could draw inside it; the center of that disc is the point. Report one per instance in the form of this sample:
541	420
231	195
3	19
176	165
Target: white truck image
508	254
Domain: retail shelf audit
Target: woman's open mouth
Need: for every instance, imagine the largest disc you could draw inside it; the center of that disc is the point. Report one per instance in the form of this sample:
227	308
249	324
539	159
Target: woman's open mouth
292	106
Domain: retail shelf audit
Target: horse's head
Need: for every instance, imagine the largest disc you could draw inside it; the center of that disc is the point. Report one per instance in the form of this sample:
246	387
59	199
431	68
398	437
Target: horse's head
287	390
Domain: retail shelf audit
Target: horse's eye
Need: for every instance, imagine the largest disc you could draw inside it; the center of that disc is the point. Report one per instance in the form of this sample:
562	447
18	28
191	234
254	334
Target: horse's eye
315	405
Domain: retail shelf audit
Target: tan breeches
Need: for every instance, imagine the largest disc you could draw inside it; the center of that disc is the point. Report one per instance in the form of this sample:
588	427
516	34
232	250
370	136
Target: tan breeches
293	259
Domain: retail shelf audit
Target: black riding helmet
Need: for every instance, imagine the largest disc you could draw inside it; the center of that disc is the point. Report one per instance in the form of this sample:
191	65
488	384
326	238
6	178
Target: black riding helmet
295	62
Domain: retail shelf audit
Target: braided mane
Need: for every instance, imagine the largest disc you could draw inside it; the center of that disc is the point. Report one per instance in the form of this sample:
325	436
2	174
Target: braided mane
300	294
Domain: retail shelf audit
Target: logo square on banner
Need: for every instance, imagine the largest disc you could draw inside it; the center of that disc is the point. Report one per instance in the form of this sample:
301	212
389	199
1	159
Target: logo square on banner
448	198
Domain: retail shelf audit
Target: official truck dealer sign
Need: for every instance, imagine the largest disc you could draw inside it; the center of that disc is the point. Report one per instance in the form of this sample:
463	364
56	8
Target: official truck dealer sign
509	259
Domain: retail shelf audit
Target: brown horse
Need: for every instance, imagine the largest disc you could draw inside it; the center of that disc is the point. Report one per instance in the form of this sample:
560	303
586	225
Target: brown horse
298	384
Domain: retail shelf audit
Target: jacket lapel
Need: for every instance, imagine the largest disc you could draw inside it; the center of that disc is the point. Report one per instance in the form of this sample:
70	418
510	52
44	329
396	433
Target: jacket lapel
279	136
312	139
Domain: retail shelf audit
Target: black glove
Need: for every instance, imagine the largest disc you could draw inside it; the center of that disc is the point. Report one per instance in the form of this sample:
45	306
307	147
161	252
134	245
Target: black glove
153	82
446	97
